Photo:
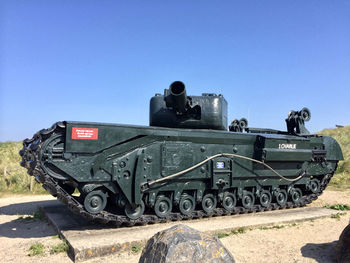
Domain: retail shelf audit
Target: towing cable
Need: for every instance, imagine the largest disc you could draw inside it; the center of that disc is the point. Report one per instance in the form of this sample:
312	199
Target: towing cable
145	186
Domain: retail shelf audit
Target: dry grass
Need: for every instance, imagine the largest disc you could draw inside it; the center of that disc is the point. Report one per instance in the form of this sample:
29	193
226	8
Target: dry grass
13	177
341	179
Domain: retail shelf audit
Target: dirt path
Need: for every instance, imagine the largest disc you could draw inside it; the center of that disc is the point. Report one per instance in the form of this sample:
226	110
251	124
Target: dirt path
302	242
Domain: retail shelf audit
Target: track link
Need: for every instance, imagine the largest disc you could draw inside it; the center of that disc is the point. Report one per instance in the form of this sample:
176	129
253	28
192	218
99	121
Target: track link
30	160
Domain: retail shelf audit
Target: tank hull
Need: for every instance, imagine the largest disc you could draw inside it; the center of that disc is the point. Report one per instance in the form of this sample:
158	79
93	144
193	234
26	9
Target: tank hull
136	174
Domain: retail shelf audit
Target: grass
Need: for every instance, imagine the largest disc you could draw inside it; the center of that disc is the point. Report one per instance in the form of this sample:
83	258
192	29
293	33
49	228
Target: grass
37	249
271	227
240	230
243	230
341	179
137	248
25	218
13	177
37	215
237	231
340	207
222	234
338	215
59	248
277	226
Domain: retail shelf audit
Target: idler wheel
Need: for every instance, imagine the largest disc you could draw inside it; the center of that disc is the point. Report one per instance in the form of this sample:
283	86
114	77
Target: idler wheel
95	201
296	195
248	199
134	212
209	203
314	186
229	201
163	206
265	198
281	197
186	205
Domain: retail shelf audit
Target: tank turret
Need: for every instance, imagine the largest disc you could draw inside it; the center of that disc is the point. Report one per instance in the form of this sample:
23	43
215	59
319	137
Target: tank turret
175	109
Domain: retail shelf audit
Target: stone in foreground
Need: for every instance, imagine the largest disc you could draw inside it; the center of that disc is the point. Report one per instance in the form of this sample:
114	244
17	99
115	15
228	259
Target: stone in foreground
343	246
182	244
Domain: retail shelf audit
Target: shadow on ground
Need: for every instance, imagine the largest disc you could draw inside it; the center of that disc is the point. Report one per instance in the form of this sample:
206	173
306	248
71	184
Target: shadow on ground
323	253
27	208
23	225
26	229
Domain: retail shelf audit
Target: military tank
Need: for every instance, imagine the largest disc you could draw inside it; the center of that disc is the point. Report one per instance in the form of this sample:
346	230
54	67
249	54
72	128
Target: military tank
187	164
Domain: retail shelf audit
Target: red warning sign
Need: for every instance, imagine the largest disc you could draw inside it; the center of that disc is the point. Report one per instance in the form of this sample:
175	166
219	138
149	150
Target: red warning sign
84	133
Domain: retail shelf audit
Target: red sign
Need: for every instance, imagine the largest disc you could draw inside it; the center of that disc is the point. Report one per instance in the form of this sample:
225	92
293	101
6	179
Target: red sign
84	133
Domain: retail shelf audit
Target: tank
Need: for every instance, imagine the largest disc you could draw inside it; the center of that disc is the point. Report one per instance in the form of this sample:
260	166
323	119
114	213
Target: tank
188	163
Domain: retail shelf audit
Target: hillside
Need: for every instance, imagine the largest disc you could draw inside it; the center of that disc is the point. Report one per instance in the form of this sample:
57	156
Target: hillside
342	176
14	178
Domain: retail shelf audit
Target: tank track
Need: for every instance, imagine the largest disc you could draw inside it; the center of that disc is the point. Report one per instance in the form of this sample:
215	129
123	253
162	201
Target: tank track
30	160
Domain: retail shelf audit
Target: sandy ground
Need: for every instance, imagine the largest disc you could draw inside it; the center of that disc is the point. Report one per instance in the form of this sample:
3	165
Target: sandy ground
302	242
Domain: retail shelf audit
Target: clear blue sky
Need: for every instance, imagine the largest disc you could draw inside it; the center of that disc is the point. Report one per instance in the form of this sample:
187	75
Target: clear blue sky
101	61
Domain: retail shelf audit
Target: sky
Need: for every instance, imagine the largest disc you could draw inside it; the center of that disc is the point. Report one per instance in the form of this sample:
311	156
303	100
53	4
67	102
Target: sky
102	61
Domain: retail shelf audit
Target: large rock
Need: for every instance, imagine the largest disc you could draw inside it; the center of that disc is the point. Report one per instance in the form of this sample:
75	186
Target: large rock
343	246
182	244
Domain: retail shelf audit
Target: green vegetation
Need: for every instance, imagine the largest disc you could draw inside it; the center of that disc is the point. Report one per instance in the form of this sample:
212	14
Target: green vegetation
338	215
60	248
240	230
272	227
37	249
340	207
13	177
237	231
222	234
25	218
277	226
137	248
341	179
243	230
37	215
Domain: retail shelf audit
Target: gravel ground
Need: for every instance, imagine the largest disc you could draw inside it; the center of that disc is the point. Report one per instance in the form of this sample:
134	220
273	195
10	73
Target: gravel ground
302	242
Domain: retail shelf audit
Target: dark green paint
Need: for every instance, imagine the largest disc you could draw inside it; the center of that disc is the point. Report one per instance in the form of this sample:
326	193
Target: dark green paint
123	157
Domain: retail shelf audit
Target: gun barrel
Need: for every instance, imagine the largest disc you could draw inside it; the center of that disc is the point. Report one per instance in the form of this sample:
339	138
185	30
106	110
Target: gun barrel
178	96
